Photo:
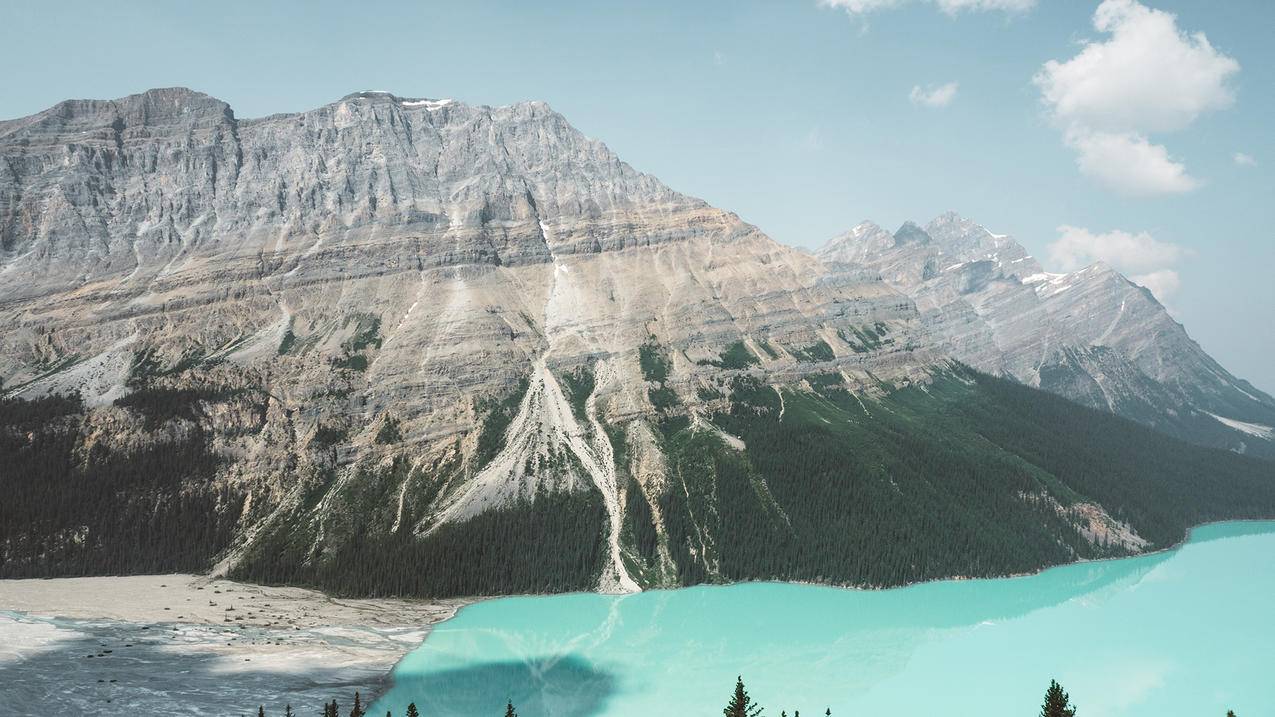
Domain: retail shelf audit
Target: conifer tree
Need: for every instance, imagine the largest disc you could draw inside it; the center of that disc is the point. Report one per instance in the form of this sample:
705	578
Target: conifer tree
1230	713
741	705
509	709
261	711
287	710
411	710
357	709
1057	702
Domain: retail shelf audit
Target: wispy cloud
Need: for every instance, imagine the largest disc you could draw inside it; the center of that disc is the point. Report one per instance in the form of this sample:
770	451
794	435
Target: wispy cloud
1245	160
932	96
951	7
813	141
1149	76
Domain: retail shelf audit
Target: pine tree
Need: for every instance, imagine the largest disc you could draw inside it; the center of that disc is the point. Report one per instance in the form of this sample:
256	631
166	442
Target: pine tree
741	705
1230	713
1057	702
287	711
357	709
411	710
509	710
261	711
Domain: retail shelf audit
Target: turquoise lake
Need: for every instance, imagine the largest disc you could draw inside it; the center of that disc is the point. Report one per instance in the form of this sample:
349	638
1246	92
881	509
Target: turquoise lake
1187	632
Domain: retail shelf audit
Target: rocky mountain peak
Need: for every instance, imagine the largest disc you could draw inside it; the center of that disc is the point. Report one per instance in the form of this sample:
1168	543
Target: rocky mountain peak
1091	335
865	239
911	233
507	184
164	109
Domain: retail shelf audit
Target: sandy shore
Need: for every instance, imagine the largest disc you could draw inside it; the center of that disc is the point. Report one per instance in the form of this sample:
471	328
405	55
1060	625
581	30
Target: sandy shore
185	644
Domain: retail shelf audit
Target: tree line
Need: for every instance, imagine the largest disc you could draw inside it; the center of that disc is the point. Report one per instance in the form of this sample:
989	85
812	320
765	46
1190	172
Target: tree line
1057	703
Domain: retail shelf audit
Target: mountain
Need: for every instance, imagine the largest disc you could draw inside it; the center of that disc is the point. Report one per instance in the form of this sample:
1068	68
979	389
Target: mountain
1091	335
413	346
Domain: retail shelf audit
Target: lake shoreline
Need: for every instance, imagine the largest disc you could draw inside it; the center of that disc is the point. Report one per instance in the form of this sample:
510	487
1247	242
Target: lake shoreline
291	630
1137	637
473	600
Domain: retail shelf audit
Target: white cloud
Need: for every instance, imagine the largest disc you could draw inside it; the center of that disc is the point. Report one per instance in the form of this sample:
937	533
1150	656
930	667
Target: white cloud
1245	160
940	96
1163	283
1144	258
1148	76
1129	163
951	7
1138	253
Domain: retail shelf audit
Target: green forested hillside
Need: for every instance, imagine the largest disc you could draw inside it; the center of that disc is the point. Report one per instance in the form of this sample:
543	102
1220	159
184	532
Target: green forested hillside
967	475
71	505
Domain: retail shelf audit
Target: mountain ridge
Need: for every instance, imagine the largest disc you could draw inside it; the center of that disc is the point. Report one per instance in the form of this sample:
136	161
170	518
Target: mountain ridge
998	310
396	343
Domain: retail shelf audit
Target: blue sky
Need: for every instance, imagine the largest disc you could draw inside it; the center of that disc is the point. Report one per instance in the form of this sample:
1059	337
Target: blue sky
802	117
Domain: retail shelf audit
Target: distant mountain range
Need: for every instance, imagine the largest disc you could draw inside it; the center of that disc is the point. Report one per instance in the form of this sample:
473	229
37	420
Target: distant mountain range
1091	335
414	346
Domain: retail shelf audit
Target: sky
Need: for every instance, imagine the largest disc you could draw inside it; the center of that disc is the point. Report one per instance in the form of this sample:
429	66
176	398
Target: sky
1135	133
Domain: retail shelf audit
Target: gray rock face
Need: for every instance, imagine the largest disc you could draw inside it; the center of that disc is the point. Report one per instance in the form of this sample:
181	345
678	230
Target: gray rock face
1091	335
450	224
384	260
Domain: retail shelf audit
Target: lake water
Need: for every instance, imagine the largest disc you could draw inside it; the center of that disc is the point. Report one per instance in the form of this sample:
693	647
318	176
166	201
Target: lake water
1189	632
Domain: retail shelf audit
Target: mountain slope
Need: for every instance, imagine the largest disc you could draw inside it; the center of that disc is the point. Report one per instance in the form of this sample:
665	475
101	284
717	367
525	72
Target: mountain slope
412	346
1091	335
372	277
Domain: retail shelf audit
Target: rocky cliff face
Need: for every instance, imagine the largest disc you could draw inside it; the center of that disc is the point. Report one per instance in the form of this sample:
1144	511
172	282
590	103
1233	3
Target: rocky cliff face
381	271
1092	335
